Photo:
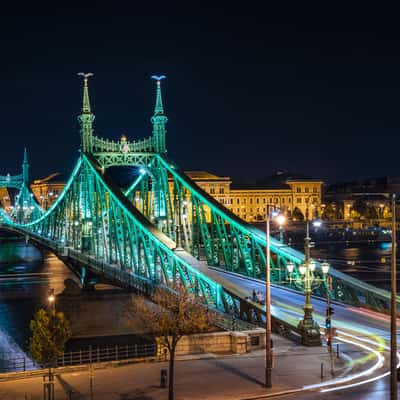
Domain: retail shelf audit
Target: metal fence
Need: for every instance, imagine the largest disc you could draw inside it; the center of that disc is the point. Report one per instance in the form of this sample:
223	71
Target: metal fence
87	356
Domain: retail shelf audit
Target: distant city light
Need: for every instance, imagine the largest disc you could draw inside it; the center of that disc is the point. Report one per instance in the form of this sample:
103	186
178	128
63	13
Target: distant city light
317	223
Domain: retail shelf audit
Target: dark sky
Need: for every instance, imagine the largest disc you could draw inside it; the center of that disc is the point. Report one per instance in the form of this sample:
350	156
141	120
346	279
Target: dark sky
250	89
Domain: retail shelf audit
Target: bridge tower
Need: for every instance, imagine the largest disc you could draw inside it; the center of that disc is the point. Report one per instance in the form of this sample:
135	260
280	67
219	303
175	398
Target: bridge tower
25	168
159	119
87	117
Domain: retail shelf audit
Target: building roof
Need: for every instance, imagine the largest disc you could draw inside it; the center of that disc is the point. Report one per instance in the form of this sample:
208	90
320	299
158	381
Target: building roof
56	177
206	176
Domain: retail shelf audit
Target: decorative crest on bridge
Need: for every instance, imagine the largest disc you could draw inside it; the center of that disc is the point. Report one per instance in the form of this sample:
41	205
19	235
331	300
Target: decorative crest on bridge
87	117
86	101
159	119
25	167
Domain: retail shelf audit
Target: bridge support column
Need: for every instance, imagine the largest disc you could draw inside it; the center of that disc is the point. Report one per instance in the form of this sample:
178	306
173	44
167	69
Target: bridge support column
88	280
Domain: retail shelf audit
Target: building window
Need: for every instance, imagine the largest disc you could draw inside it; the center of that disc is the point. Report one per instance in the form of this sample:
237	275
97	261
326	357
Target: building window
290	200
221	190
264	201
299	200
244	201
306	189
257	200
212	190
315	189
251	211
298	190
237	201
270	200
283	200
276	200
251	201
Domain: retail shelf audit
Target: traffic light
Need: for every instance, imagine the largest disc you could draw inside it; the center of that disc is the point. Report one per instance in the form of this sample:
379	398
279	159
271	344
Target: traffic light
329	311
328	324
329	341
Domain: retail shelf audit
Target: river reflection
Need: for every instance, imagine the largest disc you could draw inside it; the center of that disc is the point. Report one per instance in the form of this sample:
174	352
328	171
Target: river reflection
26	274
25	277
369	261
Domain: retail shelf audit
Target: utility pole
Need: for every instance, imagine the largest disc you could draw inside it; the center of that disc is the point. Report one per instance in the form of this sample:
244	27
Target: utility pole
393	309
268	348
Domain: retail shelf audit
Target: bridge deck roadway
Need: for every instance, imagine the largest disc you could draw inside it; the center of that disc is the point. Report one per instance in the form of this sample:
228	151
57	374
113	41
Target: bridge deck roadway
287	304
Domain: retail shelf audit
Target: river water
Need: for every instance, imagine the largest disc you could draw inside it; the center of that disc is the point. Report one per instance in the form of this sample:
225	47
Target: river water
26	275
25	278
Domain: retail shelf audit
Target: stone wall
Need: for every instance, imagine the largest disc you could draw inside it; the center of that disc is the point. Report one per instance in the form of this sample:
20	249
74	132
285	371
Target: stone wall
220	342
99	313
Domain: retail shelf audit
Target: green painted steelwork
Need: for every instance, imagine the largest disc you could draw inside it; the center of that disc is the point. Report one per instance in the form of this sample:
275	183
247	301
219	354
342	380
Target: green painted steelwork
139	234
209	231
25	207
93	218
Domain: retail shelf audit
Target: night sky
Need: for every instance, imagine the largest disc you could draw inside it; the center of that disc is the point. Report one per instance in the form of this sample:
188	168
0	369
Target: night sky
250	89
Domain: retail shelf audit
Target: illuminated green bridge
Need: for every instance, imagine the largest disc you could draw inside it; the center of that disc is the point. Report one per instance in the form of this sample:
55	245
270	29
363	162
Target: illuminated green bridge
164	230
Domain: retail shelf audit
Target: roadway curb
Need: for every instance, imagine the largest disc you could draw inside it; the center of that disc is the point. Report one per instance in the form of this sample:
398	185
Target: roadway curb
276	394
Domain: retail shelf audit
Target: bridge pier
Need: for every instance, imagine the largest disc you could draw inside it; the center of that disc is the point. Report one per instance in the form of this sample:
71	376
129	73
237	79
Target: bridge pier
88	279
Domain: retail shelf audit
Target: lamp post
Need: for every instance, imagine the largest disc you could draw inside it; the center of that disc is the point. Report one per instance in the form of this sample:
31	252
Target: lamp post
281	220
268	348
393	309
269	209
51	298
309	329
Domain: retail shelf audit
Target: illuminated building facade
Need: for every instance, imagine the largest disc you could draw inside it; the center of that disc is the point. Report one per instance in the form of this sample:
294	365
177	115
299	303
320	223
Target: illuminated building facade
46	190
249	201
246	201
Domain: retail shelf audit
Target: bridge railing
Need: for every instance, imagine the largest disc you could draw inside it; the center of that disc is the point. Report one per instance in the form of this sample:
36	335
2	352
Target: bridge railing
211	230
90	355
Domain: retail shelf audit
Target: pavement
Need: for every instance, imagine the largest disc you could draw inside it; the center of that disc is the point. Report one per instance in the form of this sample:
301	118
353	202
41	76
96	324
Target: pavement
205	376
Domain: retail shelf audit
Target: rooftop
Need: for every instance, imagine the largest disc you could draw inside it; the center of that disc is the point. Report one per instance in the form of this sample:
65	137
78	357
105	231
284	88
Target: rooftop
205	176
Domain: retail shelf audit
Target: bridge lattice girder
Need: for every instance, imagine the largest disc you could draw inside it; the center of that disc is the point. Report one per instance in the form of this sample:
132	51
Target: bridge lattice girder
94	219
208	230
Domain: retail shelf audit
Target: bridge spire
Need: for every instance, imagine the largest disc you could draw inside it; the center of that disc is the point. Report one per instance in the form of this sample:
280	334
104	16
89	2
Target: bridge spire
87	117
159	119
25	167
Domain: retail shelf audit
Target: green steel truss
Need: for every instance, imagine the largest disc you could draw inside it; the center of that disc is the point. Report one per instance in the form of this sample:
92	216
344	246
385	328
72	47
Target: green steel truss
134	237
25	207
205	228
209	231
92	218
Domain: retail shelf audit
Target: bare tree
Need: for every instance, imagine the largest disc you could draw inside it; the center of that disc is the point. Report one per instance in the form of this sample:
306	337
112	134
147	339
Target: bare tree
175	313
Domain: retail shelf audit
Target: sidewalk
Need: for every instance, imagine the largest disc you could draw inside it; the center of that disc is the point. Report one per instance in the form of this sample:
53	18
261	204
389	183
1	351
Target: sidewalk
206	376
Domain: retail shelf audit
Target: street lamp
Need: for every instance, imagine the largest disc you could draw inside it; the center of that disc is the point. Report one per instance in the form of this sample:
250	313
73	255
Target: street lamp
308	327
281	219
51	299
270	211
393	307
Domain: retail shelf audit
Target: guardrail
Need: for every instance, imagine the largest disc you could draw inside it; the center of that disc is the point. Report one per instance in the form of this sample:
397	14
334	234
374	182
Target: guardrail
80	357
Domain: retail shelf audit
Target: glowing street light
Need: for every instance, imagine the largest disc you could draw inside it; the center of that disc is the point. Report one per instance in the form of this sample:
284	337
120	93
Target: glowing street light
281	219
271	211
308	327
51	299
325	267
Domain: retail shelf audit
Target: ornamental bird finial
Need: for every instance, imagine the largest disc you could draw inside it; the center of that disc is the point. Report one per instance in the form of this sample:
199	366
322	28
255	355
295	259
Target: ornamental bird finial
85	75
158	78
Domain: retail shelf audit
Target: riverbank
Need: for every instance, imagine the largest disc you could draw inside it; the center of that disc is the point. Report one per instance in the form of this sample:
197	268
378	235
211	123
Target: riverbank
211	376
